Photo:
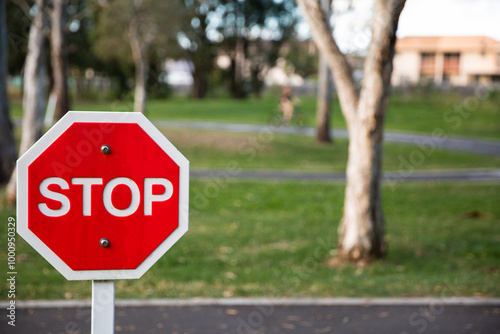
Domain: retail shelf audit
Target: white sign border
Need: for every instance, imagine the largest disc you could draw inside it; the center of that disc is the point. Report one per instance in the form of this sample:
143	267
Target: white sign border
100	117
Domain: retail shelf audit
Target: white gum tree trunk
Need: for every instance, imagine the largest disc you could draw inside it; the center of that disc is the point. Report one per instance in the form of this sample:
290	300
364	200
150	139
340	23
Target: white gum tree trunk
35	88
361	232
324	98
59	55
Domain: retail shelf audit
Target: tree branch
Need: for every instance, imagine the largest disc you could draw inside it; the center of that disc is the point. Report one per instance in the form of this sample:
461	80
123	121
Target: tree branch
342	72
378	63
133	39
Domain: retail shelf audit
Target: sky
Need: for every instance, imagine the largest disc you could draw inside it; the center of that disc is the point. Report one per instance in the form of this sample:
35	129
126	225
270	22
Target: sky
450	17
419	18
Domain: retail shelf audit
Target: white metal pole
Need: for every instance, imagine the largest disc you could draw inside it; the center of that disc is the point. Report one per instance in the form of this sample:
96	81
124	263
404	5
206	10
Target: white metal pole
103	307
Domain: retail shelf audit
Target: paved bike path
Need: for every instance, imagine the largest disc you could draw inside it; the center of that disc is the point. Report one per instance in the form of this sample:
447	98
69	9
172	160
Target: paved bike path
423	142
439	140
466	175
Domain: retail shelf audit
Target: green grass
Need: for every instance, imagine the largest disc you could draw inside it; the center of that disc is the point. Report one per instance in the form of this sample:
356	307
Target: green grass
272	239
456	115
214	150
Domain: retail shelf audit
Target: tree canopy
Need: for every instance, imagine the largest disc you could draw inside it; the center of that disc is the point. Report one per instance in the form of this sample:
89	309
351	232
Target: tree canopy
110	36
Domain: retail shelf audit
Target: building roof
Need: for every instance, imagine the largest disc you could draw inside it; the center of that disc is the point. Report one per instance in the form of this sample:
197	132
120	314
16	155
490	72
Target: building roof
448	44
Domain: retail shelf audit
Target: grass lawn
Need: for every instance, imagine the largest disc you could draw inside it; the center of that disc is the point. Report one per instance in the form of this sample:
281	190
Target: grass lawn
454	114
255	239
265	238
214	150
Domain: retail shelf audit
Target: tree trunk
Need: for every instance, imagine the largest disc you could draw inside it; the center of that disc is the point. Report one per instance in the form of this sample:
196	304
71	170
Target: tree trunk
324	98
362	228
257	81
365	166
59	53
237	67
8	154
324	102
35	89
361	232
140	94
78	83
199	85
140	44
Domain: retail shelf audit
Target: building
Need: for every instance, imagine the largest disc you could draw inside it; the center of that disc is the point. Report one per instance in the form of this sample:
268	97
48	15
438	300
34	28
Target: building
447	60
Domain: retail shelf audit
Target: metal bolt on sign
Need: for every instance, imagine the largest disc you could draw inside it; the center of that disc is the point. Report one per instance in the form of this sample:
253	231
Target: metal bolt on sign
105	149
104	242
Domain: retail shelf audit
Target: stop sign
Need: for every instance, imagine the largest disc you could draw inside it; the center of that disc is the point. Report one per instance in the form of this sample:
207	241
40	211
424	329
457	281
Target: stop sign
102	195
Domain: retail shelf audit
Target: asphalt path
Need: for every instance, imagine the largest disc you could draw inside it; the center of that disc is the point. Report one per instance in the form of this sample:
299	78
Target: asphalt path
438	139
268	316
422	142
472	175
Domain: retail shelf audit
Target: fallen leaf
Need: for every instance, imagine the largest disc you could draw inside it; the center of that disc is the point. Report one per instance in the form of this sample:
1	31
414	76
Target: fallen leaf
383	314
287	326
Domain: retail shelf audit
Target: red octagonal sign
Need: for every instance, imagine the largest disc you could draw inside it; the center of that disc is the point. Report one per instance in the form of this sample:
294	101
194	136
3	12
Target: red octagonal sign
102	195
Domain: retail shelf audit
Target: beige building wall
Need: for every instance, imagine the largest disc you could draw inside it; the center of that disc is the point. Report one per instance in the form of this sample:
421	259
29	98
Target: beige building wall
479	60
406	68
473	64
438	68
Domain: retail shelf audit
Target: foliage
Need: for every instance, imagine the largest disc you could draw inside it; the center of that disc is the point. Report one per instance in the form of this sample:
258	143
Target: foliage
302	56
80	23
251	34
18	27
79	36
98	38
196	44
113	21
137	31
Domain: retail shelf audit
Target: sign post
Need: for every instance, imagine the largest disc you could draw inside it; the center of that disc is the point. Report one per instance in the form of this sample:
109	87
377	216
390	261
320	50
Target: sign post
102	196
103	307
